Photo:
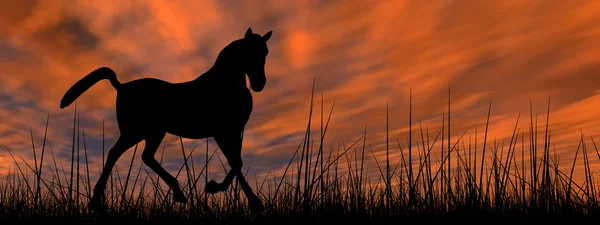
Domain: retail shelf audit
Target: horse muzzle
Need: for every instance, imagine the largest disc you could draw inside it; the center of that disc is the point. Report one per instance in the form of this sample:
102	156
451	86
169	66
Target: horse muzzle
258	84
257	80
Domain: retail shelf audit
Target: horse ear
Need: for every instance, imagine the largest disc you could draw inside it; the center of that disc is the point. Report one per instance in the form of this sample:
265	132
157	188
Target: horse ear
248	32
267	35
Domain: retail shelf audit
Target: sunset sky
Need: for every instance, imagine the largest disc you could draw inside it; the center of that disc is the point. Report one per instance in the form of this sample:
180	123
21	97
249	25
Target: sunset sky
363	55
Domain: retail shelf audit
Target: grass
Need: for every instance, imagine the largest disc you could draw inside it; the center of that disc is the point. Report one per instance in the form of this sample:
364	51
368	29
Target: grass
332	185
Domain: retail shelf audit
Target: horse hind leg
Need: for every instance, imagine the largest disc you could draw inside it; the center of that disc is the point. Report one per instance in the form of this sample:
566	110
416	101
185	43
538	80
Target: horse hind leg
152	144
122	144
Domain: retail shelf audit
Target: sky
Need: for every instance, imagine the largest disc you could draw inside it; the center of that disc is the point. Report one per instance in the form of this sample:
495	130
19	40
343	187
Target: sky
367	59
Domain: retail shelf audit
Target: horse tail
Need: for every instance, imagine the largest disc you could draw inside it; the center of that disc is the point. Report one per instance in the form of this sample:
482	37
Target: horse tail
88	81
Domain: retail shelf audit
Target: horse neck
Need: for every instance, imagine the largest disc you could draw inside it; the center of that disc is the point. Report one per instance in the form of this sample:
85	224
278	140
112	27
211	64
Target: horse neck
226	72
223	76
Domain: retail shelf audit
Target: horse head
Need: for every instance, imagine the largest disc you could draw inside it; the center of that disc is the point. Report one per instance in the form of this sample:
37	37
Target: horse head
254	58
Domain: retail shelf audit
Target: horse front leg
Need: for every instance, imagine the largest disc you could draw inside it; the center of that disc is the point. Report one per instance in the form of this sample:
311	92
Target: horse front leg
231	146
212	187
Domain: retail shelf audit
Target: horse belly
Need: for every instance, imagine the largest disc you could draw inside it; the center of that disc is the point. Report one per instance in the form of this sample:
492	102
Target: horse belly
182	116
194	124
205	123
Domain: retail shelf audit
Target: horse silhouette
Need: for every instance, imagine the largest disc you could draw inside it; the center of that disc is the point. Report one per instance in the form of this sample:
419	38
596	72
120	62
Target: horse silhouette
216	104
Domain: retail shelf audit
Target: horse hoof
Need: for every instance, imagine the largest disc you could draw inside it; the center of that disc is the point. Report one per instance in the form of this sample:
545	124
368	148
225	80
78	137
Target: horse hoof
212	187
256	206
179	197
95	205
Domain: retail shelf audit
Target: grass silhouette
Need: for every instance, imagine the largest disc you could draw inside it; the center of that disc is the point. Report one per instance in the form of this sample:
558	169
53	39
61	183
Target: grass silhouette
315	189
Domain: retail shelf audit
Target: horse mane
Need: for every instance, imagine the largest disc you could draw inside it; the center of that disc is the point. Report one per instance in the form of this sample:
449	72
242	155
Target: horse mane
228	53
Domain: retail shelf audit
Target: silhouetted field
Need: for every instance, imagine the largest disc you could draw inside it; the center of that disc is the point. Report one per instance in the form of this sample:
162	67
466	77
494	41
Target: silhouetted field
323	185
